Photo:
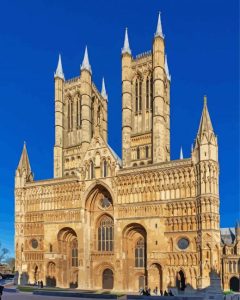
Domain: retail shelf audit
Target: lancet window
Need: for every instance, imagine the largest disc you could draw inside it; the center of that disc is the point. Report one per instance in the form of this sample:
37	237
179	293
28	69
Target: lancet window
105	234
74	249
140	253
79	112
70	114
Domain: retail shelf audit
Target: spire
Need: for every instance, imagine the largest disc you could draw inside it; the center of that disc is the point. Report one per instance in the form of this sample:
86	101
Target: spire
59	71
85	64
103	92
126	47
181	153
24	164
159	27
205	126
166	69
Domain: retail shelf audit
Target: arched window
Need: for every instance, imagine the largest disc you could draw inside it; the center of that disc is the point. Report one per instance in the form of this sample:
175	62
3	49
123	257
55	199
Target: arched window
74	249
91	170
234	267
70	114
147	151
105	168
230	267
50	248
136	95
138	153
140	95
151	93
79	112
147	94
140	253
105	234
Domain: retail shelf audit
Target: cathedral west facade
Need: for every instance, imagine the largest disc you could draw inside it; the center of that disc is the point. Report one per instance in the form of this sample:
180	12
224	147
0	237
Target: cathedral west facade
122	224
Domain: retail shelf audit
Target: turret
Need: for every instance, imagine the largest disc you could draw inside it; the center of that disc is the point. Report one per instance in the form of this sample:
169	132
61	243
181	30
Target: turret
59	123
86	92
126	101
206	145
161	151
23	172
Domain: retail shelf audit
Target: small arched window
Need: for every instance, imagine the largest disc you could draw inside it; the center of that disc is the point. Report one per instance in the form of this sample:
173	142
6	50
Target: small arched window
91	170
147	151
234	267
70	114
136	95
138	153
151	93
105	168
105	234
147	94
140	253
79	112
140	95
50	248
230	267
74	253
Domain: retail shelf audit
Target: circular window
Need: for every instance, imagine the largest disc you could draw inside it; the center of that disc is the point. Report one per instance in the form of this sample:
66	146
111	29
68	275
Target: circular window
34	243
183	243
105	203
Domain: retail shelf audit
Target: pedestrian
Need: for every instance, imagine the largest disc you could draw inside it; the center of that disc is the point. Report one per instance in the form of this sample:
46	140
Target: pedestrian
165	293
41	284
161	292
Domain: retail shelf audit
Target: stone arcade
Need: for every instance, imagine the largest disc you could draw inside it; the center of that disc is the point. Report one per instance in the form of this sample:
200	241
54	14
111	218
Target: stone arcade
103	222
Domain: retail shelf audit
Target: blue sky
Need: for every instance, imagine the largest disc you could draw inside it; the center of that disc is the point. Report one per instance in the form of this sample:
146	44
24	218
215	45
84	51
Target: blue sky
202	44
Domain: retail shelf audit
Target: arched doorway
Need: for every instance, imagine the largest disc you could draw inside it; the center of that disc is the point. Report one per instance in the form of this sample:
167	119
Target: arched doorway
135	249
51	275
68	266
155	277
234	284
107	279
180	281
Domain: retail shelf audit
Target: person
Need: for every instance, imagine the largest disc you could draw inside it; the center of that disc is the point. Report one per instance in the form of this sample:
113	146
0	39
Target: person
161	292
41	284
1	290
170	293
165	293
149	292
155	290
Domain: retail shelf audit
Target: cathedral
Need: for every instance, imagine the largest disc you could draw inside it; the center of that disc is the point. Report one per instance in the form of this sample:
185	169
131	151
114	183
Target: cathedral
105	222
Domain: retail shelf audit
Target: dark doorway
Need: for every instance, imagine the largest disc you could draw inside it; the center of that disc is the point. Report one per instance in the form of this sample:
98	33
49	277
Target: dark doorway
234	284
50	281
180	281
107	279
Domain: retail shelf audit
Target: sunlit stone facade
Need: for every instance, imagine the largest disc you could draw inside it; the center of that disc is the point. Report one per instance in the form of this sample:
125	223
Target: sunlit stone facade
103	222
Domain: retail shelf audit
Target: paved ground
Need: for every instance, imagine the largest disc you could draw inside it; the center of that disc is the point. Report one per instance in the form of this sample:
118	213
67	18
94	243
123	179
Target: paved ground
29	296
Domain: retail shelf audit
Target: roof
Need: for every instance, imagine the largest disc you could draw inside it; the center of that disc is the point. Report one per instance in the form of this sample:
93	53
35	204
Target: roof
228	235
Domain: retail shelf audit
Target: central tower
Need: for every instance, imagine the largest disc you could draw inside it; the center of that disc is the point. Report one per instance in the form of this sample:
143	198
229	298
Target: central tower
145	104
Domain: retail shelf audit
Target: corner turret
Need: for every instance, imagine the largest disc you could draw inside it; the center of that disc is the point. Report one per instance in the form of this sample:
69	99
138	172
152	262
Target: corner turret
206	145
23	172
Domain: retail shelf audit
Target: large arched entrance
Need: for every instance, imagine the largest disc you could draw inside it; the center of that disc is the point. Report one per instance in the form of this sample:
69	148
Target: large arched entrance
107	279
234	284
180	280
68	266
135	261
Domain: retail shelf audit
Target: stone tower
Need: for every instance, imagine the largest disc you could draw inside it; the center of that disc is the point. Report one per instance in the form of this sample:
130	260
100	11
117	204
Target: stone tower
145	104
80	114
205	160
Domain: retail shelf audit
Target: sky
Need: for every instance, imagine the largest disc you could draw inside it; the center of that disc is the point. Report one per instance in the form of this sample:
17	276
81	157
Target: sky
202	45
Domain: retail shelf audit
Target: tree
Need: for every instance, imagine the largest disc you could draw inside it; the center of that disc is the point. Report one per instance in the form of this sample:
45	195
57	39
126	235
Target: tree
3	253
11	262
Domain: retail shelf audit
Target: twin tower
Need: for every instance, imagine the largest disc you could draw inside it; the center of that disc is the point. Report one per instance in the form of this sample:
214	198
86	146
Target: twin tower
81	110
